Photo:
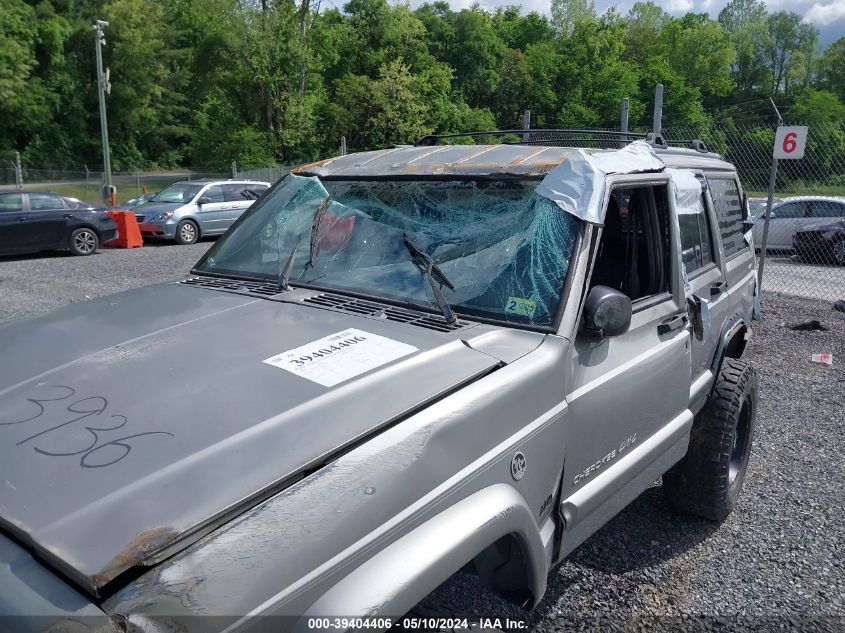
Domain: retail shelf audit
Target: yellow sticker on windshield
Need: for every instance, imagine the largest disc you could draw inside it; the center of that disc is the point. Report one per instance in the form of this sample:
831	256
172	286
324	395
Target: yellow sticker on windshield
520	306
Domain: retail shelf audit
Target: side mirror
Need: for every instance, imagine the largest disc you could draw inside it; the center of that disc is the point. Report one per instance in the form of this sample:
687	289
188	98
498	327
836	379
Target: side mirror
204	200
607	312
747	225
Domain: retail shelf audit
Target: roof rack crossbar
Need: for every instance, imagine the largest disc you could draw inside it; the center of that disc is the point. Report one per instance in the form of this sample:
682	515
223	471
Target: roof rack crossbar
607	135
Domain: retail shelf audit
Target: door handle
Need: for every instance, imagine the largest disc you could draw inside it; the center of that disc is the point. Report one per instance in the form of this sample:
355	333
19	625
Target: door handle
672	324
21	218
68	216
717	288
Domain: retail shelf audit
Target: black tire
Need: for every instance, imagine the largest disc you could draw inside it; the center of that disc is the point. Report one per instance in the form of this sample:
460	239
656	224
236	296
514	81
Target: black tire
708	480
187	232
84	241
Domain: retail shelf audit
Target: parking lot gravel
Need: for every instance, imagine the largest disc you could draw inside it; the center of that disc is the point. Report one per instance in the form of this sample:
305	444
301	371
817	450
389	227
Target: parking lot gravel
34	284
777	563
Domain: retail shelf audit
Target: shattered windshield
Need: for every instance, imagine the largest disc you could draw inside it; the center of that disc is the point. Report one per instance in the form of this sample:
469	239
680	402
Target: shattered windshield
504	250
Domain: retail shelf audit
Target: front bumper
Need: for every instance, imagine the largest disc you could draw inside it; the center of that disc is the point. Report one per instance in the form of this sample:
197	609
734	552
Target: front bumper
161	230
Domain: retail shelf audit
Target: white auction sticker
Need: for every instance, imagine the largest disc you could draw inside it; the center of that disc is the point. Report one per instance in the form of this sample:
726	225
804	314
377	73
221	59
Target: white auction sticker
339	357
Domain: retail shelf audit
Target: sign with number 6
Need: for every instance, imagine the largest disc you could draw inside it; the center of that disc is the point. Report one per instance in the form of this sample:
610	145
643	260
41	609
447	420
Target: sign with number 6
790	141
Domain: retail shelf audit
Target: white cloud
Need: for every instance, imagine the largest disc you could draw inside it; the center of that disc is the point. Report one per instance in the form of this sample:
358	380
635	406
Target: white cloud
680	6
821	14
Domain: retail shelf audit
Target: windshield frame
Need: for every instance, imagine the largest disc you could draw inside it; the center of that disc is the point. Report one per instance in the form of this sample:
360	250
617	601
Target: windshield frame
552	328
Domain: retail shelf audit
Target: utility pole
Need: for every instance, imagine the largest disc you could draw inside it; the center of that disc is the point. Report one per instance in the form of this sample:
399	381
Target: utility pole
103	87
18	172
623	121
526	124
773	177
657	122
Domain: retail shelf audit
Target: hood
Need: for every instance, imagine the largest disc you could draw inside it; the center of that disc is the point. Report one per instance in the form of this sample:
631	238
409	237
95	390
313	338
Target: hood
133	424
153	207
828	225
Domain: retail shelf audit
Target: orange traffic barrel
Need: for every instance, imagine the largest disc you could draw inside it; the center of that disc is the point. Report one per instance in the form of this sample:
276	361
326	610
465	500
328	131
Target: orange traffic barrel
128	233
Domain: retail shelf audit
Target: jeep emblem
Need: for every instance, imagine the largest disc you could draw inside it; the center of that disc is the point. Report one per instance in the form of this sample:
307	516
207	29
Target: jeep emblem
518	465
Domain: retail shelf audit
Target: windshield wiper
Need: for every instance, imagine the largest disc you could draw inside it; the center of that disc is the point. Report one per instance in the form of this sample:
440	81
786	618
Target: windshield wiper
425	264
284	274
315	229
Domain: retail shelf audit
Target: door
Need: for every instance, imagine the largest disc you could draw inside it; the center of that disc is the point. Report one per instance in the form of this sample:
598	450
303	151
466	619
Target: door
623	390
706	285
11	222
48	221
213	214
784	221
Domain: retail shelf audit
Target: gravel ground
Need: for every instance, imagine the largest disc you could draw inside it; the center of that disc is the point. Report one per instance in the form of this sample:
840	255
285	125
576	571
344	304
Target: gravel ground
34	284
777	563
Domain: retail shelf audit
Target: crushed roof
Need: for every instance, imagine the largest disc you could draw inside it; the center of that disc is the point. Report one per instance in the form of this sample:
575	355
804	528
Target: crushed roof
473	160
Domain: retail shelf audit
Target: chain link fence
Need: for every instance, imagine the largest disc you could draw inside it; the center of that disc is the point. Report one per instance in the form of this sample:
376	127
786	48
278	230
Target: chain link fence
806	241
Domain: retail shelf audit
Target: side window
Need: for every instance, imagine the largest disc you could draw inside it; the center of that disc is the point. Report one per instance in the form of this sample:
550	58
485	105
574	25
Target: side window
696	240
235	193
214	194
11	202
45	202
633	255
828	209
791	210
728	205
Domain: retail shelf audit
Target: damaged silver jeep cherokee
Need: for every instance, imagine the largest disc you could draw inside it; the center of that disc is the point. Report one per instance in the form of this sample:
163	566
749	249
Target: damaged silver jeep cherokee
396	363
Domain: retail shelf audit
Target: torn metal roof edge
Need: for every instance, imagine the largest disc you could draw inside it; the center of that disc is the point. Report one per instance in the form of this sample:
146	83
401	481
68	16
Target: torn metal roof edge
470	161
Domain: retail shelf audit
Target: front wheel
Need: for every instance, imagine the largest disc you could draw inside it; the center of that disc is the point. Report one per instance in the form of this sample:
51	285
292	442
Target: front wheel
84	241
708	480
187	232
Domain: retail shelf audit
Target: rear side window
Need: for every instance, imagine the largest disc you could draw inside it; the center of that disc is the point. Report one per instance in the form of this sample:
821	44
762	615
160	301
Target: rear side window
728	205
696	240
11	202
45	202
828	209
234	193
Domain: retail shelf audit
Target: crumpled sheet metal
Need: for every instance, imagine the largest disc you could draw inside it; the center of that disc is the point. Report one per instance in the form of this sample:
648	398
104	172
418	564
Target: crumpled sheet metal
577	184
687	191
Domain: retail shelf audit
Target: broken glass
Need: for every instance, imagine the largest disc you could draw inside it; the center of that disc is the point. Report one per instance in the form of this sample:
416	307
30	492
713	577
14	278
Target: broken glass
505	249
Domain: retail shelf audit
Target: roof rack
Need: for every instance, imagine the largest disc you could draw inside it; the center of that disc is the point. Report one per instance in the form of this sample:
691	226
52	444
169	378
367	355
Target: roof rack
567	137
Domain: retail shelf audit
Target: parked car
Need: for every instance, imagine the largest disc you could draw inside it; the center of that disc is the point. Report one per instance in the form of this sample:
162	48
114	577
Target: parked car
793	214
438	358
38	221
756	207
822	242
188	210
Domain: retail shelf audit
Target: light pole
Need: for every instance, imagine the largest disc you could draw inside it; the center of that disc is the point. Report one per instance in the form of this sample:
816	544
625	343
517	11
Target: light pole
103	86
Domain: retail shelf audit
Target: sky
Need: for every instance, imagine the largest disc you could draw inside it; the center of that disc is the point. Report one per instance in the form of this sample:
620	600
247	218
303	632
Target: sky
828	16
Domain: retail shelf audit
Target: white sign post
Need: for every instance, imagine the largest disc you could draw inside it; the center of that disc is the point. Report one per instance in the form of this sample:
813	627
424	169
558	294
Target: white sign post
790	141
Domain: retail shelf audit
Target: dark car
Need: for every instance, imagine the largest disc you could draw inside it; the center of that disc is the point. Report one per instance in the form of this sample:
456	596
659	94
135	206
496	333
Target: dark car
35	221
823	241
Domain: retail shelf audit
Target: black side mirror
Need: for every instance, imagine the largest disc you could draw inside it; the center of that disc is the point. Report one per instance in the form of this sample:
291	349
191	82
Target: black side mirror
204	200
607	312
747	225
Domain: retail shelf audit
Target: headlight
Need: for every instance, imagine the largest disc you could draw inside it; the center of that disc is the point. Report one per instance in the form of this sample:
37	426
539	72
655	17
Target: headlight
161	217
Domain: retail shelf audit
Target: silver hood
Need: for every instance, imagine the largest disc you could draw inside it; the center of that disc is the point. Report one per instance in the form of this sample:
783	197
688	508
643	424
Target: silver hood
133	424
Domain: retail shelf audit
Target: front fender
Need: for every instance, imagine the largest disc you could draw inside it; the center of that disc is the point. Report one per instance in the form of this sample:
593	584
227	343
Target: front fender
398	577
